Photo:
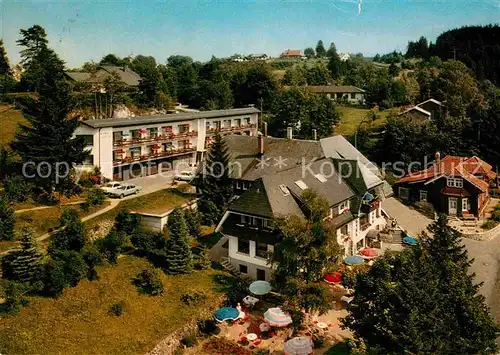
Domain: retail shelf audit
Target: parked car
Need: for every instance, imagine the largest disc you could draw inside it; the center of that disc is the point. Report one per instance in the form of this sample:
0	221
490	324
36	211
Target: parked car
125	190
111	186
185	176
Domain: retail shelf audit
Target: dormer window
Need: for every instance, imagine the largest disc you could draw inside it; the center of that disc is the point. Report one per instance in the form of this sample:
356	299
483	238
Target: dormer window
301	184
344	206
455	182
284	190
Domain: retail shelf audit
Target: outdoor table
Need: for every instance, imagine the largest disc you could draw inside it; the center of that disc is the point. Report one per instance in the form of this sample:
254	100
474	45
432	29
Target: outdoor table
264	327
250	301
322	325
252	336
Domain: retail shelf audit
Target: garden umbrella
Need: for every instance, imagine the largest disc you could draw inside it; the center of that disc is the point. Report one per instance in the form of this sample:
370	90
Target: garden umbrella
226	313
277	318
299	346
333	278
410	240
354	260
369	252
260	287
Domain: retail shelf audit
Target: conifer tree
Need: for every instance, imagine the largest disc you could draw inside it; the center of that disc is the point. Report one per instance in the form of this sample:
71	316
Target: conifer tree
177	252
4	61
46	141
423	301
7	220
215	182
24	265
71	236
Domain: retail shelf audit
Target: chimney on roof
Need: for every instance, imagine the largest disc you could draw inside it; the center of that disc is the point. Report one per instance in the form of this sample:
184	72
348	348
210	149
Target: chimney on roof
265	129
260	138
315	134
437	158
289	133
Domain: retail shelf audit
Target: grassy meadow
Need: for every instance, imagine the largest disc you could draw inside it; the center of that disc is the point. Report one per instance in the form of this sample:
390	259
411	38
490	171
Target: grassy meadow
78	322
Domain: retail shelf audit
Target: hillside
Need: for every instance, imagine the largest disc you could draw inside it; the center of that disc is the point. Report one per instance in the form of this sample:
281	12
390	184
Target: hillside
9	119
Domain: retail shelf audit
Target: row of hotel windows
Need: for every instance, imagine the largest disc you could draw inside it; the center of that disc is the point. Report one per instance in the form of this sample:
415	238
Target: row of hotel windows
152	149
151	132
227	123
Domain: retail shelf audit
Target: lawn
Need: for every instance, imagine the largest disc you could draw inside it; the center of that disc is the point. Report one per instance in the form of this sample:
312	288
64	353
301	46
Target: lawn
78	322
9	119
156	203
351	117
44	220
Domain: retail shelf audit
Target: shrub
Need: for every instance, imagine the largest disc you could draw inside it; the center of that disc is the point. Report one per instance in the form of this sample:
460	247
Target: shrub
16	189
95	197
193	221
209	212
496	215
116	308
92	258
208	326
189	340
203	261
489	224
318	342
111	245
149	282
192	298
146	242
426	208
495	193
126	222
13	292
89	179
497	207
7	220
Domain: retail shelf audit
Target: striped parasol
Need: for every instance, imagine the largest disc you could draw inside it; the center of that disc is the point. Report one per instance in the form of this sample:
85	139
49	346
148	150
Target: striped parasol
299	346
277	318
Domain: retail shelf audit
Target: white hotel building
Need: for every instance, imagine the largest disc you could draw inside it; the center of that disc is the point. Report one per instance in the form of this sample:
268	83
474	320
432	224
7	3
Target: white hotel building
144	145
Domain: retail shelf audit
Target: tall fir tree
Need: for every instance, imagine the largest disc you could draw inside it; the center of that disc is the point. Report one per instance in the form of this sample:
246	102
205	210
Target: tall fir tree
4	61
320	49
215	182
177	252
46	146
25	264
7	220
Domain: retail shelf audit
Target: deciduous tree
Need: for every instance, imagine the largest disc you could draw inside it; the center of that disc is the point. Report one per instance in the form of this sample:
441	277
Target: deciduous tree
320	49
309	52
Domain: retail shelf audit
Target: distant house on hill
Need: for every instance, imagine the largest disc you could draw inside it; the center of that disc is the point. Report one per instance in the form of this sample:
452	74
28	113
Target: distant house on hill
292	54
351	94
261	56
344	56
237	58
425	111
127	76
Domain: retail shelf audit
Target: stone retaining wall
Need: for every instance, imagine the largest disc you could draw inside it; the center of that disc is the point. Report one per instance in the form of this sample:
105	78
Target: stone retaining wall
168	345
483	236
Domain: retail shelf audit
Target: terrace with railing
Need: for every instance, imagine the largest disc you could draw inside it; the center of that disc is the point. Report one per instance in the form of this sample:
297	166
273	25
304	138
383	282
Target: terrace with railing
146	157
213	130
118	143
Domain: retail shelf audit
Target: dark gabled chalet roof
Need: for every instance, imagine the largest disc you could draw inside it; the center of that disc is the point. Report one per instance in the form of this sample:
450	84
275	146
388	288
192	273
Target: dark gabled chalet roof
244	152
266	198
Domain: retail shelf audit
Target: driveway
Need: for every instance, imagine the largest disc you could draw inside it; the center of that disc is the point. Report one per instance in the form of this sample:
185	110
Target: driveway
409	219
151	183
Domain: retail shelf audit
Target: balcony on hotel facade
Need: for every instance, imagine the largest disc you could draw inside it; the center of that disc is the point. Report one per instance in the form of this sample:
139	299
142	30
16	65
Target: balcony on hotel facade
229	129
122	159
147	136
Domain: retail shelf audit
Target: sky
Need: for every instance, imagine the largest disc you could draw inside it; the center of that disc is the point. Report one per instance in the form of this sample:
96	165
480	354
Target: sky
81	31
